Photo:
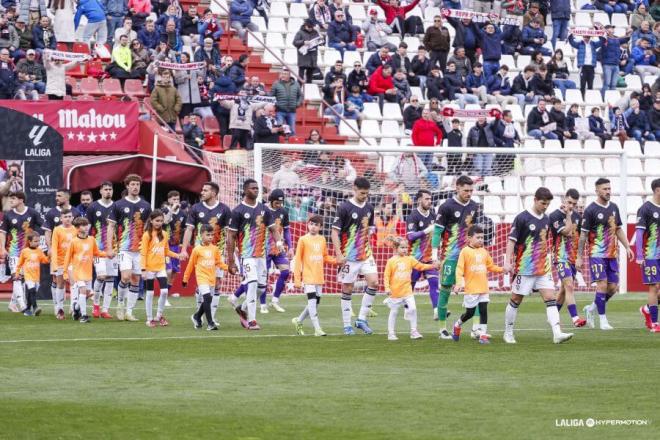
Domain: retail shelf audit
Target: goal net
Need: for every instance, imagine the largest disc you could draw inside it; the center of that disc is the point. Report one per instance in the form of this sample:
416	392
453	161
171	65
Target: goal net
317	178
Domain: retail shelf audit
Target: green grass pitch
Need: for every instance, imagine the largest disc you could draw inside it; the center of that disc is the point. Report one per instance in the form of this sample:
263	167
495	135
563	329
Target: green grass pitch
126	381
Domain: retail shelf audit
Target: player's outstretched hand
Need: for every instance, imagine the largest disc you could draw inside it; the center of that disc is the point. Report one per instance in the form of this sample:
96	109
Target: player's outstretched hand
110	253
297	285
578	262
508	268
457	289
631	254
232	268
183	255
184	284
340	259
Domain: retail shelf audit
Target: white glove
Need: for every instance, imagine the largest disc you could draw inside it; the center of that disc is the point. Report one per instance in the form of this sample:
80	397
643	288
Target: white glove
429	229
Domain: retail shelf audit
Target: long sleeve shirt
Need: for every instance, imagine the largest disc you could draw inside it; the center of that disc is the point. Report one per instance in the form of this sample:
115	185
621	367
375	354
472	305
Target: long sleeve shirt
30	262
311	254
204	260
80	256
472	270
153	252
398	271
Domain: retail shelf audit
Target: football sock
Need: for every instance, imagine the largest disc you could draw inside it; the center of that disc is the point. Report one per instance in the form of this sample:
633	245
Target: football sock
31	295
20	294
391	319
199	298
510	315
553	316
107	296
251	301
433	291
122	293
280	284
465	317
206	305
53	292
74	297
313	312
443	300
600	302
59	292
367	302
149	299
215	302
98	285
162	300
346	309
240	291
261	291
412	317
653	310
304	314
131	300
572	310
82	303
482	311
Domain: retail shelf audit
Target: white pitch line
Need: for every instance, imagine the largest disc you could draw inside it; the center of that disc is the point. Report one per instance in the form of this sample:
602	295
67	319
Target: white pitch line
188	337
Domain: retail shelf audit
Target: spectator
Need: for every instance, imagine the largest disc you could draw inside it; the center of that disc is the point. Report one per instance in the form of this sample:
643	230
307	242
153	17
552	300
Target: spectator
358	78
170	35
266	128
299	209
542	84
466	37
357	98
289	97
511	39
165	99
126	29
499	87
435	85
559	118
141	58
255	87
641	14
33	70
638	123
426	133
400	61
586	59
338	5
476	84
24	87
170	15
381	85
412	113
343	171
320	15
533	14
286	177
376	32
645	62
96	21
481	135
462	63
403	92
611	6
522	87
341	34
314	138
506	136
560	11
8	36
409	170
122	60
456	163
389	223
63	12
139	10
654	118
116	11
204	109
436	41
240	14
222	85
484	6
43	36
86	199
455	87
626	64
490	38
263	8
148	36
609	58
558	72
237	70
209	53
30	10
334	96
24	38
307	61
190	34
378	59
335	72
539	123
56	86
533	39
644	31
597	126
537	60
241	120
187	84
618	125
12	183
395	16
655	10
420	67
193	136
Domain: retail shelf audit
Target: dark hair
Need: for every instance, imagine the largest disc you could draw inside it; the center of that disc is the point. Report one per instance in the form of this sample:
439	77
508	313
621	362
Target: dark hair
543	194
66	211
31	235
317	219
173	193
242	58
573	194
132	178
361	183
106	183
405	45
421	192
505	67
148	228
214	186
64	190
205	228
85	193
475	229
477	64
247	183
595	109
506	113
80	221
655	184
18	195
421	47
529	69
464	180
602	181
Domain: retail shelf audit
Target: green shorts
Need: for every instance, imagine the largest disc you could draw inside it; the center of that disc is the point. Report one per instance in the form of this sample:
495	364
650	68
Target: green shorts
448	273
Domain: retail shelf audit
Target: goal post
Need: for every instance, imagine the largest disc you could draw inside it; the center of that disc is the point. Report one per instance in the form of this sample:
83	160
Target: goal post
316	178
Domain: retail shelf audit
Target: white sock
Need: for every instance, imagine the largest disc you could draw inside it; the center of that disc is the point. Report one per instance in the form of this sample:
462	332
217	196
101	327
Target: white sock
346	311
20	296
305	313
510	315
162	299
553	319
131	299
603	319
251	301
59	292
367	301
73	296
483	328
82	303
53	293
122	293
475	325
98	285
215	302
391	319
107	295
148	304
198	299
313	313
412	314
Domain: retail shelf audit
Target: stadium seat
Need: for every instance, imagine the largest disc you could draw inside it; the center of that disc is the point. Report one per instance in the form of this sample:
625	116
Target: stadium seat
593	166
112	86
344	129
554	183
391	129
523	61
574	96
633	82
133	87
372	111
213	143
511	184
573	167
273	56
552	144
291	55
350	57
553	166
633	203
512	204
330	56
612	166
255	40
392	111
90	86
572	144
85	98
633	147
493	205
413	44
81	48
651	166
299	10
211	125
274	40
635	185
593	145
602	18
516	113
611	96
531	183
575	182
370	129
612	145
278	9
619	20
635	167
494	185
312	93
593	97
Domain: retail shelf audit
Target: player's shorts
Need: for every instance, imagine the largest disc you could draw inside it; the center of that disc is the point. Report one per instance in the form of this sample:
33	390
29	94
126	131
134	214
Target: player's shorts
395	303
448	273
219	273
153	275
418	275
58	272
203	289
32	285
472	301
254	269
129	261
604	269
12	262
525	284
349	271
173	264
105	267
313	289
651	272
83	284
565	270
277	260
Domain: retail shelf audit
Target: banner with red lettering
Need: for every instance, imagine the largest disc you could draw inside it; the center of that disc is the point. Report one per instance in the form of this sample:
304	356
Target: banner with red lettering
88	127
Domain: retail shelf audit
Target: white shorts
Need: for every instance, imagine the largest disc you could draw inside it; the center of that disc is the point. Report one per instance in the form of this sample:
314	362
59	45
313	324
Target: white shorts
84	284
350	270
219	273
395	303
31	285
58	272
154	275
524	284
129	261
12	262
313	288
203	289
105	267
254	269
472	301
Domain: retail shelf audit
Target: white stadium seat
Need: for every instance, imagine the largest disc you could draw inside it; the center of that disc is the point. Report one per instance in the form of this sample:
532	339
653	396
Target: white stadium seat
278	9
370	128
593	166
392	111
372	111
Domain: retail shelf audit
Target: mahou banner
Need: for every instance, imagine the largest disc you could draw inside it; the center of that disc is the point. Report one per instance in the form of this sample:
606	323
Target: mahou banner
87	127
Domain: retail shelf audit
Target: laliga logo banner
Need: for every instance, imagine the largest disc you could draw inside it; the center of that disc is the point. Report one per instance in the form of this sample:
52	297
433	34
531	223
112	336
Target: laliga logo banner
86	126
39	147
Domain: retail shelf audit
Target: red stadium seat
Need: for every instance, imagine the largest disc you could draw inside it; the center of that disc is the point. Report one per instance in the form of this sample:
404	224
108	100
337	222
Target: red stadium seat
211	125
63	46
213	143
90	86
133	87
85	98
296	140
112	86
75	88
81	48
109	98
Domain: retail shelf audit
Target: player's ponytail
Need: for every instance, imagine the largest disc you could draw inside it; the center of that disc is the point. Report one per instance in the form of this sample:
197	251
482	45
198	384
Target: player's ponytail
148	228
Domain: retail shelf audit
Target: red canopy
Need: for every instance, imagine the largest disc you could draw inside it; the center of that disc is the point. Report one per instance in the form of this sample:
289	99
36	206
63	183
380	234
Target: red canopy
87	172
